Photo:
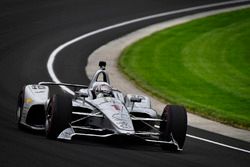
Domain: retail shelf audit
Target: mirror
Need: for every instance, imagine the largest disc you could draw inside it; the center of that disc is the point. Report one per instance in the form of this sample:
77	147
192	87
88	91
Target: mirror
135	99
82	93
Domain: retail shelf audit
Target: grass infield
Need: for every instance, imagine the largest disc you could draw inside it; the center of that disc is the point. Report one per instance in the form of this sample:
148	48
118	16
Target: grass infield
203	64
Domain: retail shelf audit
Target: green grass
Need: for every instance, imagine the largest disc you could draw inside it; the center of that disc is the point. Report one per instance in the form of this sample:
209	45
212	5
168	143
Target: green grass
203	64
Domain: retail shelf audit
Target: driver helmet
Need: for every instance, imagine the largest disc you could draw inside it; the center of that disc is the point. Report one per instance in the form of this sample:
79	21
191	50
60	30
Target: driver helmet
103	90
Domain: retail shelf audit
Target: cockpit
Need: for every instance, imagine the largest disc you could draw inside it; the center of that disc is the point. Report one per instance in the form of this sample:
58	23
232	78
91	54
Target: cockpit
102	89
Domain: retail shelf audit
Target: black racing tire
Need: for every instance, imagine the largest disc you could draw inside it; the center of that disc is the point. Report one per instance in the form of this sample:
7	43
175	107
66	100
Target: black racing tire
174	123
58	115
20	103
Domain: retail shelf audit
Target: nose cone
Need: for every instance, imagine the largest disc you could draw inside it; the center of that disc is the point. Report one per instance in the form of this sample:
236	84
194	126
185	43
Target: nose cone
122	119
118	115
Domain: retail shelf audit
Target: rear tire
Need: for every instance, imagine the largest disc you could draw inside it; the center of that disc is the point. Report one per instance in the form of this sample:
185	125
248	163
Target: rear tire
19	109
58	115
173	126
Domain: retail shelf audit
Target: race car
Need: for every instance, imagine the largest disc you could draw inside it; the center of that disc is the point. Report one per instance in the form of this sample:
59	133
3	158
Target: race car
99	110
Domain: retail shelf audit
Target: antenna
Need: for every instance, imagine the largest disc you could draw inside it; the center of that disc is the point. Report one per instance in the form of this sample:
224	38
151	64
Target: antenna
102	65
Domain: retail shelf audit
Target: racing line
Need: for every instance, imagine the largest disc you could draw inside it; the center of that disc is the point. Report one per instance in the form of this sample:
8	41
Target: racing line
53	55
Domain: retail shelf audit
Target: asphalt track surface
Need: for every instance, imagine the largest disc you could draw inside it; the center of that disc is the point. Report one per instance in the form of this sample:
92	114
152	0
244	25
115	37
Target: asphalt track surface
30	30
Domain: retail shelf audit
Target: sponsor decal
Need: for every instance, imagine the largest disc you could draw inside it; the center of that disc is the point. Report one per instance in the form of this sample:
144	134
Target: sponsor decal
117	107
124	125
28	100
38	87
40	92
121	118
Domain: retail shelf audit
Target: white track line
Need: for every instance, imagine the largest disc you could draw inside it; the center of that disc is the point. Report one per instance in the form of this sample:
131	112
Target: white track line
217	143
53	55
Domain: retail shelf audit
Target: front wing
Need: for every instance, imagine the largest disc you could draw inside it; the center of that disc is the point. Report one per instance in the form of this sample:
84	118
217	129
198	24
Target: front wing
152	137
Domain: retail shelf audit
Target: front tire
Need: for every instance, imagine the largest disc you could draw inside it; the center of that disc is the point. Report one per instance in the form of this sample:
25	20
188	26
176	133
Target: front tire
58	115
173	126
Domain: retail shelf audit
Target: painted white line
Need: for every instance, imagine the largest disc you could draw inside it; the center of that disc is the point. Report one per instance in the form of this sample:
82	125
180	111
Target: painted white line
63	46
217	143
53	55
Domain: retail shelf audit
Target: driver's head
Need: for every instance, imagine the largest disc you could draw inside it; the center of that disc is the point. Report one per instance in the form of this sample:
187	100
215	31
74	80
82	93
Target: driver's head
103	89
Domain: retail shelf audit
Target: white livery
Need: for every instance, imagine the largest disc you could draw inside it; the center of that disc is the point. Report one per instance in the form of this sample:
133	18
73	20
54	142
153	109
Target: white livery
101	111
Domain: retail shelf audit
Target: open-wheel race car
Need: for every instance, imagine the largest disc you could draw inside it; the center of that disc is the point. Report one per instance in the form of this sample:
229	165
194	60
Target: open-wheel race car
99	110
